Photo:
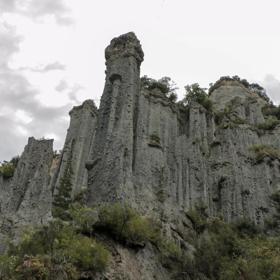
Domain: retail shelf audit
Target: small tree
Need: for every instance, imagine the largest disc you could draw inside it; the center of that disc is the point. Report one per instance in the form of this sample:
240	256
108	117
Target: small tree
195	93
7	168
63	199
164	84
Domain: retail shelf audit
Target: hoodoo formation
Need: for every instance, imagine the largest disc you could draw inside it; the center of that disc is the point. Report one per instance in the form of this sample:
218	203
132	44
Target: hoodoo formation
163	158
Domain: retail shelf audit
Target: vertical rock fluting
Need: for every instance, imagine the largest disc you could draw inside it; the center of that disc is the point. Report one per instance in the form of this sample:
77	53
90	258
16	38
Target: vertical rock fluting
30	195
110	169
77	147
165	159
26	198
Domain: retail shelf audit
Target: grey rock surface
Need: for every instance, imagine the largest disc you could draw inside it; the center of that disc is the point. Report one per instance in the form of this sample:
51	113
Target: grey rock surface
110	174
165	159
77	146
30	193
26	198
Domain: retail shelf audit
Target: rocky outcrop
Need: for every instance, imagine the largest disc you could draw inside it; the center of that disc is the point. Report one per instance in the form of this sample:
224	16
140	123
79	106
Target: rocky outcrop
26	198
77	147
161	157
165	158
110	171
29	193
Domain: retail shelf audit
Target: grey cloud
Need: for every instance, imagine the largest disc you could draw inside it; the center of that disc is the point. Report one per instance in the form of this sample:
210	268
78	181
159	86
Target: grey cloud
272	86
11	143
72	94
53	66
38	8
47	68
7	5
18	94
9	43
61	86
72	90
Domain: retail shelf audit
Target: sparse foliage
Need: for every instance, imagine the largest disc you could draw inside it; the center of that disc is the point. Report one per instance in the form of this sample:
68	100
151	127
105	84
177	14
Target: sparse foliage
253	87
165	85
7	168
195	93
63	199
263	151
55	249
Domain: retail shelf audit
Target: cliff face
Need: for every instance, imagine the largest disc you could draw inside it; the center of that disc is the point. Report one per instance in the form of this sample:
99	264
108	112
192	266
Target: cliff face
26	198
110	169
77	147
30	184
164	159
161	157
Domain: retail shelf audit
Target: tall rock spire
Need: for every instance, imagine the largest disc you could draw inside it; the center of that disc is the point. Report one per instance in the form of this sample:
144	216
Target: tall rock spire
110	169
76	148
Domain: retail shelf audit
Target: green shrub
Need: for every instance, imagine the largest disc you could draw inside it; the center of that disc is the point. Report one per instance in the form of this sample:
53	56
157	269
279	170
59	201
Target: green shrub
7	169
165	85
62	197
269	124
195	93
263	151
276	198
42	252
221	245
83	218
271	110
198	217
8	265
154	141
171	254
246	227
34	268
125	224
273	223
86	254
260	260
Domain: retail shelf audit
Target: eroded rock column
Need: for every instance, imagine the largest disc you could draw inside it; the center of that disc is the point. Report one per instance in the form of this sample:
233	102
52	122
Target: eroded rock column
110	170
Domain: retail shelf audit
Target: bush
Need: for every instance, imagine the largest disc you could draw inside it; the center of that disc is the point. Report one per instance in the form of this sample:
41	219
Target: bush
55	247
125	224
83	218
246	227
165	85
269	124
271	110
7	169
198	217
229	252
263	151
221	245
195	93
7	267
62	198
273	223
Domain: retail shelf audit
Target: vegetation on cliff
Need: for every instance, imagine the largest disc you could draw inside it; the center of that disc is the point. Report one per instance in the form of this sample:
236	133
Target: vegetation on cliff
70	249
265	151
7	168
195	93
252	87
56	251
238	251
165	85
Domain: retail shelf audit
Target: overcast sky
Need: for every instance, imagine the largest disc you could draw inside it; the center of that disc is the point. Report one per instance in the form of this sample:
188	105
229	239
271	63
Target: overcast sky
52	53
